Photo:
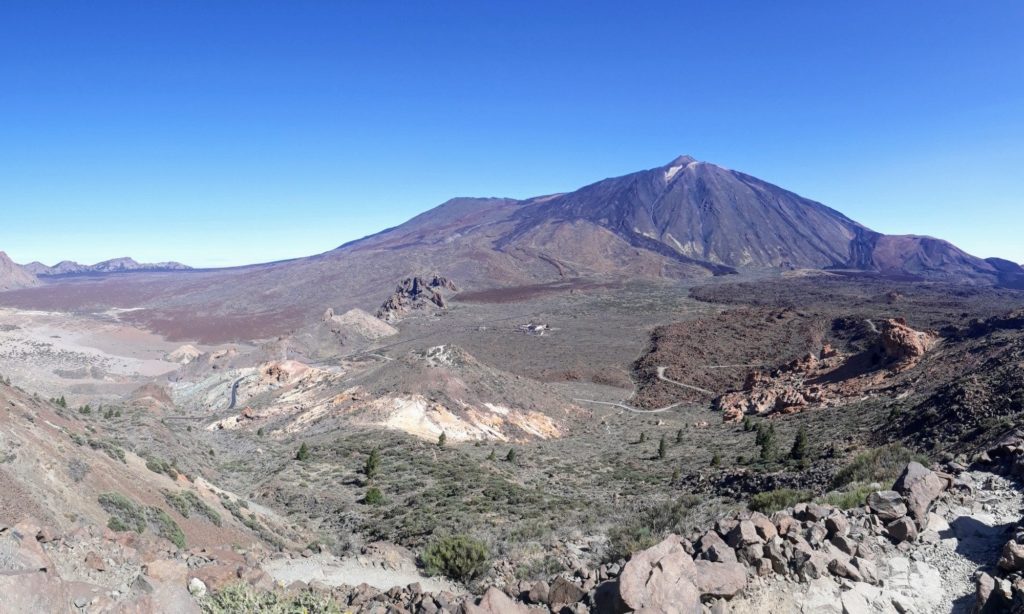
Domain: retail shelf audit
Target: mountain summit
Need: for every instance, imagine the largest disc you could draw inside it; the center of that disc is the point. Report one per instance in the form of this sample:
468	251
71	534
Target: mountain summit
692	215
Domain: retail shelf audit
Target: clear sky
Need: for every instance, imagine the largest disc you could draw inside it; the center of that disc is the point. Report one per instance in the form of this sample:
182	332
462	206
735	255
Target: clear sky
231	132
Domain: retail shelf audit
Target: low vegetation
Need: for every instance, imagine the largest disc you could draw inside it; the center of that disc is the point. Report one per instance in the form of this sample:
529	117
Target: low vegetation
186	502
242	597
774	500
127	515
459	557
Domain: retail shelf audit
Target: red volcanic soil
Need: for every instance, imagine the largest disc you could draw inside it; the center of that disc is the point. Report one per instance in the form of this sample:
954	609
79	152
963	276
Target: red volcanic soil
212	329
513	294
142	290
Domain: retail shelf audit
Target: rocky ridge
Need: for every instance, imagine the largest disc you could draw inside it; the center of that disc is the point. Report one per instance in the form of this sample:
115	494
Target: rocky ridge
830	377
416	294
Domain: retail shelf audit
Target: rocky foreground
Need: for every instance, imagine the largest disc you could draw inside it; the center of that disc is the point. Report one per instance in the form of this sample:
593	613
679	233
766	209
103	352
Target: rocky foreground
940	541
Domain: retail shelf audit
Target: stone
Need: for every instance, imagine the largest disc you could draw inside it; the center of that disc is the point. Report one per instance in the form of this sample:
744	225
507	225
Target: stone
844	569
763	526
564	592
495	602
837	524
887	504
94	561
816	512
919	486
844	544
786	524
854	603
743	534
719	579
659	578
1012	558
816	534
713	548
868	570
539	592
196	587
902	530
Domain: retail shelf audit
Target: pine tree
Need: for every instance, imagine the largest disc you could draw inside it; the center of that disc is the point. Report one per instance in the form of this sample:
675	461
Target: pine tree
491	456
679	436
372	464
511	456
716	460
799	450
442	439
766	439
303	452
662	448
643	437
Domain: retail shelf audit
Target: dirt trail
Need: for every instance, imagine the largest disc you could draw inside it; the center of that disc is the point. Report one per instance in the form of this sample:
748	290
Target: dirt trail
352	572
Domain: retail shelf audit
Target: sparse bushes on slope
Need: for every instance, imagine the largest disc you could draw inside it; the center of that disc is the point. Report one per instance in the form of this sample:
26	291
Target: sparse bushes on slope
775	500
127	515
459	557
882	465
186	502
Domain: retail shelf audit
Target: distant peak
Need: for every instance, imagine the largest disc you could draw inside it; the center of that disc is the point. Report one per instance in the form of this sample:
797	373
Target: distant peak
672	168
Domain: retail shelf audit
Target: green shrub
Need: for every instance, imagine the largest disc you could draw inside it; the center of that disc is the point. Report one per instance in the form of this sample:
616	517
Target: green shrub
127	515
124	513
849	498
158	466
775	500
459	557
303	452
624	540
109	449
882	465
186	502
242	597
164	526
374	497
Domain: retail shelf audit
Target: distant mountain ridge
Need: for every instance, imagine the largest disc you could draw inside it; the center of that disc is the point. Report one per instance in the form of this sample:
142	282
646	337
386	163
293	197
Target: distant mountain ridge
116	265
697	217
14	276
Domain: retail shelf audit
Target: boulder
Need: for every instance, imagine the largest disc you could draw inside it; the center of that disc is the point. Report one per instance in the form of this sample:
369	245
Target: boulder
887	504
902	530
495	602
837	524
919	486
711	547
743	534
660	579
1012	558
719	579
564	592
539	592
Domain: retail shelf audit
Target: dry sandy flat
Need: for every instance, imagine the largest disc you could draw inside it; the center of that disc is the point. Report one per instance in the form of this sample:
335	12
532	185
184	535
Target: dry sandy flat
66	354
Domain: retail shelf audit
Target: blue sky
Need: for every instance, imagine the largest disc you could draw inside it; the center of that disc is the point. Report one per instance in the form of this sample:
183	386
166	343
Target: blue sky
221	133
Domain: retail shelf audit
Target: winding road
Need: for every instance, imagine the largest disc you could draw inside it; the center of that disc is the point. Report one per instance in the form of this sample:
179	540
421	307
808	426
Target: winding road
661	376
628	408
234	392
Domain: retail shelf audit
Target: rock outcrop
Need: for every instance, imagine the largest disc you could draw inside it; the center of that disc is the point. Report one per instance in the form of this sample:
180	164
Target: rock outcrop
416	294
13	276
828	378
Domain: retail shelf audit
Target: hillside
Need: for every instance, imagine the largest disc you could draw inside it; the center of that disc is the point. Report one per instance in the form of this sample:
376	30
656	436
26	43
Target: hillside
13	276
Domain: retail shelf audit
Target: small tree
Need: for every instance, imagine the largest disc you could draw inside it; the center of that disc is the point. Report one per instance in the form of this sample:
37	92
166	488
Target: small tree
511	456
491	456
799	449
303	452
766	439
643	437
679	436
372	465
373	497
748	424
442	439
716	460
662	448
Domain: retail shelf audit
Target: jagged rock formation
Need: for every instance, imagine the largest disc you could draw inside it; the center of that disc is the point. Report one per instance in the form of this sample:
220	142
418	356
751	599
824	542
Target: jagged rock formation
830	377
116	265
13	276
416	294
